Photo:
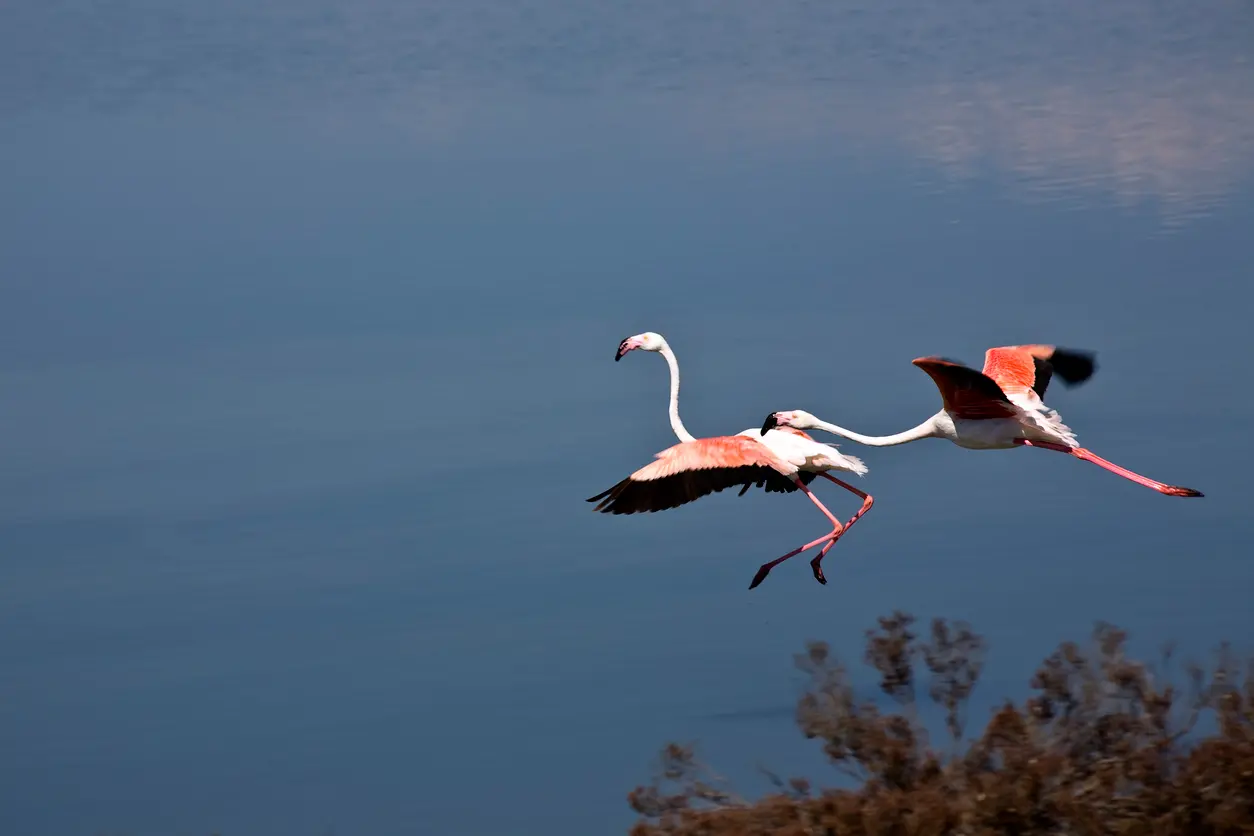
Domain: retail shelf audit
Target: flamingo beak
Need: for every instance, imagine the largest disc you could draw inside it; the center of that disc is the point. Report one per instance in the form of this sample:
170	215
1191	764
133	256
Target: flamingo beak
623	347
769	424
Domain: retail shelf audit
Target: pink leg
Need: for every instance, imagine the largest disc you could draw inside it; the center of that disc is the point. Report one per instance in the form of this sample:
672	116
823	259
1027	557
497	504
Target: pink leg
867	502
837	530
1089	456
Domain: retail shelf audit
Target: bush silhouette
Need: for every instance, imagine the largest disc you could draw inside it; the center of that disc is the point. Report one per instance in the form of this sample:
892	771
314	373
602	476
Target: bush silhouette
1104	745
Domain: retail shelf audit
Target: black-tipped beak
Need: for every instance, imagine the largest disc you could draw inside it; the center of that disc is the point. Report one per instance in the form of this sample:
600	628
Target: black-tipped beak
622	349
769	424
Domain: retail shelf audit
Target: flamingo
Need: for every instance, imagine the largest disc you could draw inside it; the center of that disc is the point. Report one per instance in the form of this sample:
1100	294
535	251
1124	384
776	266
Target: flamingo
995	409
784	461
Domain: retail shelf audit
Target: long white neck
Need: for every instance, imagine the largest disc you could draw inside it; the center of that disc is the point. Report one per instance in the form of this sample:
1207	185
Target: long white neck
928	429
676	424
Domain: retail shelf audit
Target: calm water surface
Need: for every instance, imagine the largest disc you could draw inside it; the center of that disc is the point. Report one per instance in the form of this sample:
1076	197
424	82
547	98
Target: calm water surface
305	332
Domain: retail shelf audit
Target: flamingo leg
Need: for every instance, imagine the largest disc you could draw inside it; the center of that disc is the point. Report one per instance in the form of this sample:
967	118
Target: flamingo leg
837	530
1089	456
867	502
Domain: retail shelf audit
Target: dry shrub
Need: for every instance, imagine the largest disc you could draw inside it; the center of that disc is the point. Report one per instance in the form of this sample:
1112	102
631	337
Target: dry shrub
1103	746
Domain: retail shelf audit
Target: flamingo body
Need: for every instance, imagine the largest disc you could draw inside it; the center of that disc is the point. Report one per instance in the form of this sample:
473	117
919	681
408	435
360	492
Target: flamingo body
999	407
800	449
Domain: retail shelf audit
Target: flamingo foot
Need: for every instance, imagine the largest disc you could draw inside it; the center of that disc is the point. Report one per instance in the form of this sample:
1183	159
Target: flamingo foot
818	571
828	538
816	563
760	576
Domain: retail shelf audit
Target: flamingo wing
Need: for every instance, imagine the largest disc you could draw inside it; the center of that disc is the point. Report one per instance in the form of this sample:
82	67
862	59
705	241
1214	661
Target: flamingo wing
965	392
1018	368
774	483
692	469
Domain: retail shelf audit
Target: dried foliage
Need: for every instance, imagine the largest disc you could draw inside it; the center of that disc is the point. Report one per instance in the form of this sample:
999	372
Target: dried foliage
1103	746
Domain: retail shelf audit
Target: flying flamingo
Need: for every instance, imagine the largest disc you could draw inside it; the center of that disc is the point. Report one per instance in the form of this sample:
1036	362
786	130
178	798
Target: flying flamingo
996	409
782	461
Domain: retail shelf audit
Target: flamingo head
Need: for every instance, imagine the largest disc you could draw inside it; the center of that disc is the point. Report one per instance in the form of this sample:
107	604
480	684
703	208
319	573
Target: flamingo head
797	418
648	341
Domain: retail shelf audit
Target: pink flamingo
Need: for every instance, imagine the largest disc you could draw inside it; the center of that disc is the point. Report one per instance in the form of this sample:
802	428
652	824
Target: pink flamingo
996	409
783	461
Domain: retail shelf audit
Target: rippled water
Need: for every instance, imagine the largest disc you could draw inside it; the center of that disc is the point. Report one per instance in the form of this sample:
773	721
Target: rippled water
305	338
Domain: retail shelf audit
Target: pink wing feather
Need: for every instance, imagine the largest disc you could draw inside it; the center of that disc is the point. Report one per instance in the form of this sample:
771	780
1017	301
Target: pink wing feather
1020	368
965	392
692	469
